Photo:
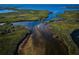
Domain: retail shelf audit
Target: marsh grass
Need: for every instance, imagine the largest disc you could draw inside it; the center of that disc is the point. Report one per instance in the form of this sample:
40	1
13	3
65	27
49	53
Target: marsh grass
9	41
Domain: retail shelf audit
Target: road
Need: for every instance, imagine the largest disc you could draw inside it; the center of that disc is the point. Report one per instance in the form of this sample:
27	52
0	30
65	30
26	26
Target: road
43	38
42	42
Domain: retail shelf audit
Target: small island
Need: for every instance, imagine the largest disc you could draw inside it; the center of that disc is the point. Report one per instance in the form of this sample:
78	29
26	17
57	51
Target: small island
19	15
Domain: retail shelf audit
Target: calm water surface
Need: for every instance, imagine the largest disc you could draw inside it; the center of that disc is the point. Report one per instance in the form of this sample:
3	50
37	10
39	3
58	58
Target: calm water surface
55	8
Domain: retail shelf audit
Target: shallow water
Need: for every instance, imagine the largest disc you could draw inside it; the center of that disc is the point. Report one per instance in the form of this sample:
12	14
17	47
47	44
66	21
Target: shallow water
33	23
55	8
6	11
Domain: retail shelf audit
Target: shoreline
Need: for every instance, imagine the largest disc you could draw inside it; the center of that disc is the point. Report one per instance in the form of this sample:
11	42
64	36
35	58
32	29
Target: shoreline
21	21
28	20
20	44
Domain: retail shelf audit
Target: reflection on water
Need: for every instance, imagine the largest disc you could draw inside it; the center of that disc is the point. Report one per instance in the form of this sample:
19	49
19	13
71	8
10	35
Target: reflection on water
54	8
28	24
6	11
33	23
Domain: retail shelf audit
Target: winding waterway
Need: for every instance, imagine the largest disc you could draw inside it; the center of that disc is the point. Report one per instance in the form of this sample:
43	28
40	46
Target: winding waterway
43	29
54	8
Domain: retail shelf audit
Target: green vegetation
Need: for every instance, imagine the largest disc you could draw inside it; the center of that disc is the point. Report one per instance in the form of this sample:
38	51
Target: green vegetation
11	35
23	15
63	29
9	38
70	16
